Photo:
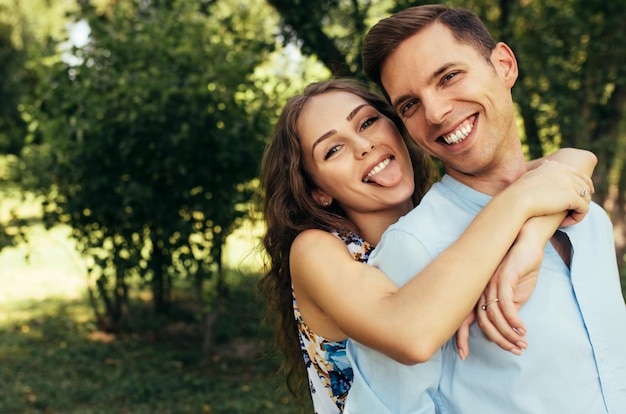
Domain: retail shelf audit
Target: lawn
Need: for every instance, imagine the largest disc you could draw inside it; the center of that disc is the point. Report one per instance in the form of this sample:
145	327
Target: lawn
53	359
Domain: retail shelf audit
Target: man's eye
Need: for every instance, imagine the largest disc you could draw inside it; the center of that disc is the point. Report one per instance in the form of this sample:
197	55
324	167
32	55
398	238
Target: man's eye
407	108
449	76
331	151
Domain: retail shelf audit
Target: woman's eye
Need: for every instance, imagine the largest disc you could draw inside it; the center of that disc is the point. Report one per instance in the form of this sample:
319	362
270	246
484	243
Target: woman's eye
331	151
368	122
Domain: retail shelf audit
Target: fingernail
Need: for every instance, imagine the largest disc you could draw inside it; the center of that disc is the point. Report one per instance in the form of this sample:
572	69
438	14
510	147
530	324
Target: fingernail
522	345
516	351
462	354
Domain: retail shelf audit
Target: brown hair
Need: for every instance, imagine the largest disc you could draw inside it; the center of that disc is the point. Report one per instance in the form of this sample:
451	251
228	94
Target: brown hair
386	35
289	209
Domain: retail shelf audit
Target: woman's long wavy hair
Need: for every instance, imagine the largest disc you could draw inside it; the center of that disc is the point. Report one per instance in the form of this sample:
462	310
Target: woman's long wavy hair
289	209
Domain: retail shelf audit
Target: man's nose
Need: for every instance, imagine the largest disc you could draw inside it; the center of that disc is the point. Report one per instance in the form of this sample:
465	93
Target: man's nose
436	108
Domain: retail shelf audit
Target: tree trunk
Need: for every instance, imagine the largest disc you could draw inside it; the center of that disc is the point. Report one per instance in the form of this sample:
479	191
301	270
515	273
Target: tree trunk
210	318
160	279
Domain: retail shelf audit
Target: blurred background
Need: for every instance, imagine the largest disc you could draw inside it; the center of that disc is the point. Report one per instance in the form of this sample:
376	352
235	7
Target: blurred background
131	133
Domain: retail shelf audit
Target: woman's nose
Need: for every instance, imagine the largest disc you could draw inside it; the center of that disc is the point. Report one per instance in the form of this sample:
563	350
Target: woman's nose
367	148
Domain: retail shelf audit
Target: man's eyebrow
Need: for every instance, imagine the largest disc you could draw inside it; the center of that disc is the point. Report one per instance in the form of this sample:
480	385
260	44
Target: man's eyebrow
396	102
433	78
328	134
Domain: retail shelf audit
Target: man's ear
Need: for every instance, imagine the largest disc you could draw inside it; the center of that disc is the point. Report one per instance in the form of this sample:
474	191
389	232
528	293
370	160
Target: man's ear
505	63
321	197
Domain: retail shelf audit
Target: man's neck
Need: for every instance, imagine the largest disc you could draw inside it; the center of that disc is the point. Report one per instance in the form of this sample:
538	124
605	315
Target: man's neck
492	180
486	184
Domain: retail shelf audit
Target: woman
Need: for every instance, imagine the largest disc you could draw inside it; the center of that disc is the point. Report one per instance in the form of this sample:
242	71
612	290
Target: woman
337	169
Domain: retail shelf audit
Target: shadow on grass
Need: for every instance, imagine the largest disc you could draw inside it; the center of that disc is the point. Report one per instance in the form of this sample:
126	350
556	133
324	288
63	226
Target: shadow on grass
54	360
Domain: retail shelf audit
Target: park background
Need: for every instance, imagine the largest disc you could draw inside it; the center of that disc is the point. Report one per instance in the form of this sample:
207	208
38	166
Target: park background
131	133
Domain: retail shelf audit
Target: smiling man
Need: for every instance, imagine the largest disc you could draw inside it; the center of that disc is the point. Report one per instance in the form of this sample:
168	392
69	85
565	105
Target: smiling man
451	84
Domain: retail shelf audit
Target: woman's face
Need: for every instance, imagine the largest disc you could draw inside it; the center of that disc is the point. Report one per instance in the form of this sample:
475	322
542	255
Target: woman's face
355	155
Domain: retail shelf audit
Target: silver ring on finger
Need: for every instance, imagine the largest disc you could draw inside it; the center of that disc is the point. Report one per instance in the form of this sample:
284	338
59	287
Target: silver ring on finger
484	307
583	192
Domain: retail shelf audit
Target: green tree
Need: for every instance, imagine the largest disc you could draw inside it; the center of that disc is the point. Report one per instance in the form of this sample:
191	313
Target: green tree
11	90
26	29
149	145
331	30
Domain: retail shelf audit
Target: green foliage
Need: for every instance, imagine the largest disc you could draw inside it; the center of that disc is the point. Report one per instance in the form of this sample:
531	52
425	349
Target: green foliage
27	28
330	30
11	87
150	143
568	81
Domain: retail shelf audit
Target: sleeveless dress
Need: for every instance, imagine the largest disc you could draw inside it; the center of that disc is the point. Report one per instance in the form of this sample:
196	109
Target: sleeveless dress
329	372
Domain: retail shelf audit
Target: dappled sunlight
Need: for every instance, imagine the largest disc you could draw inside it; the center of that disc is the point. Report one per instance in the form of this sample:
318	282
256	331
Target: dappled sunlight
48	266
27	208
243	248
103	337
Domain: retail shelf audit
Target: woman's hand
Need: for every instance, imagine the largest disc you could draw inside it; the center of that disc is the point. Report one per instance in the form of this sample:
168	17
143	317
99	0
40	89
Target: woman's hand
554	187
512	284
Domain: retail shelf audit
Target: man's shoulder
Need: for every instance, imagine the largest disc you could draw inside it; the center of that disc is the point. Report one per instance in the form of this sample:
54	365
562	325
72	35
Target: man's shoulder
426	214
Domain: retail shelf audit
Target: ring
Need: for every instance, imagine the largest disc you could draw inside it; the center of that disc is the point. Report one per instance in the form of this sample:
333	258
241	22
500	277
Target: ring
484	307
583	192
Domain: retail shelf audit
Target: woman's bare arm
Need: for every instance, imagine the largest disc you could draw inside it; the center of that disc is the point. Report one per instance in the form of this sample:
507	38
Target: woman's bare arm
340	297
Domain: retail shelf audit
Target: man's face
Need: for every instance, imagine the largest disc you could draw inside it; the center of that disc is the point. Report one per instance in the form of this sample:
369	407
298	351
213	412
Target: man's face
455	104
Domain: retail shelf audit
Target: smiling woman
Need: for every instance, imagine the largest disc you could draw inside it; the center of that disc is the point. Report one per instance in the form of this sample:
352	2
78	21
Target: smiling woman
338	170
347	143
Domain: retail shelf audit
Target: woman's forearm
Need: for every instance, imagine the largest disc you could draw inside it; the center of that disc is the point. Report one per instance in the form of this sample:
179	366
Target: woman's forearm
541	229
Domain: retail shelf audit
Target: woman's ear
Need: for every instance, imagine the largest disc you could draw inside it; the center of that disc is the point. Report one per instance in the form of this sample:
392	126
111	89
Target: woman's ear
321	197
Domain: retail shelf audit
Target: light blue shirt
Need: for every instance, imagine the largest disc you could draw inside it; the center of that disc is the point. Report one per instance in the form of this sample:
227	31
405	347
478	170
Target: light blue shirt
576	359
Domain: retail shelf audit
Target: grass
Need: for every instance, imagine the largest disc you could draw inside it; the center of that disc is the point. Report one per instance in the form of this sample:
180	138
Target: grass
53	359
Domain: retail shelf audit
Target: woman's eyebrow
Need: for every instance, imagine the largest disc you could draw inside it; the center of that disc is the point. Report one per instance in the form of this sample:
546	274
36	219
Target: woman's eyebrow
322	138
355	111
349	118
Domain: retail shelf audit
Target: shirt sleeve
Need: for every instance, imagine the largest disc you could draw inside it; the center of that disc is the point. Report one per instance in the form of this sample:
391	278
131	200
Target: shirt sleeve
400	255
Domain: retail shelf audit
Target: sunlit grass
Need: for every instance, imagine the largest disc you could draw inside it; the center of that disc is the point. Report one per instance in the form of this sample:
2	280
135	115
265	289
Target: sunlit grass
53	358
48	266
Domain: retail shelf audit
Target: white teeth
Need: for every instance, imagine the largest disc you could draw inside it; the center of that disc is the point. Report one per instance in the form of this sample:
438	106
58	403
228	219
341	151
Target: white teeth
458	135
376	170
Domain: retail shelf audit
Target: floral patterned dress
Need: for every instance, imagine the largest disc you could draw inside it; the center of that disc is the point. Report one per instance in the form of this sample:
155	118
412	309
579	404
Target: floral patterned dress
330	374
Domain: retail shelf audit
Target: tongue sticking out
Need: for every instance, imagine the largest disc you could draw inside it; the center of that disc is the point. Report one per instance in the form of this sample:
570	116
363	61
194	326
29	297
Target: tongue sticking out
390	175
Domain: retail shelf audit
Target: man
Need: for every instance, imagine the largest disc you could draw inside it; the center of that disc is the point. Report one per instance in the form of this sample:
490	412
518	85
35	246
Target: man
451	84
